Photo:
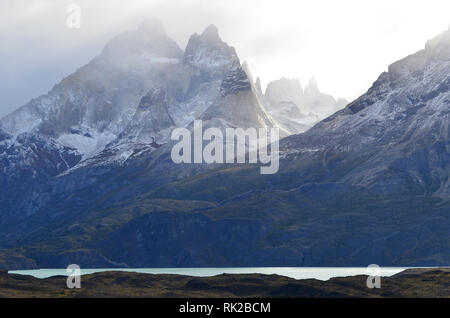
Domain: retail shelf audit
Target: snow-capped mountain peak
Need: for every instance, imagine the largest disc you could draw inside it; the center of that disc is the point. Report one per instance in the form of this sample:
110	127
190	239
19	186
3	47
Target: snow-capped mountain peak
208	52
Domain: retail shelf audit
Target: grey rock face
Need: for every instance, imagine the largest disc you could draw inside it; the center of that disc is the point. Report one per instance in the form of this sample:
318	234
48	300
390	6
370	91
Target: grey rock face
235	81
152	116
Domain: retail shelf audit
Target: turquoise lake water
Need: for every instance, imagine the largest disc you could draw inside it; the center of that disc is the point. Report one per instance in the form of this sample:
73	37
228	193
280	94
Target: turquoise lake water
321	273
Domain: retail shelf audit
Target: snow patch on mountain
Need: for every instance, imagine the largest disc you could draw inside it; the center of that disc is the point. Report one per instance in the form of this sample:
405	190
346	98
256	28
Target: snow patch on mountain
87	144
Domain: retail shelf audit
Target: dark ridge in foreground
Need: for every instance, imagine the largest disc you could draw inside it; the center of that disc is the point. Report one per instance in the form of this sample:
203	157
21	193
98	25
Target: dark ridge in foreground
410	283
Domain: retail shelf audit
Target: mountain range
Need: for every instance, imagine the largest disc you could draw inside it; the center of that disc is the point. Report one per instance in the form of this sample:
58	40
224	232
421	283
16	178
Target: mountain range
297	109
87	178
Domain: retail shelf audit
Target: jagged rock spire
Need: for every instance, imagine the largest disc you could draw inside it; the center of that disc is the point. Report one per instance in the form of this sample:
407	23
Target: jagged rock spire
208	52
211	33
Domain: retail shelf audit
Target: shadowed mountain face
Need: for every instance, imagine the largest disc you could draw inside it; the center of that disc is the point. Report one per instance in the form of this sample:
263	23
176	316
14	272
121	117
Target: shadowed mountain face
88	177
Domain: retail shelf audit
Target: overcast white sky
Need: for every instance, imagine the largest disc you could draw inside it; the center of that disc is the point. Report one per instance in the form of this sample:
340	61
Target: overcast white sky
344	44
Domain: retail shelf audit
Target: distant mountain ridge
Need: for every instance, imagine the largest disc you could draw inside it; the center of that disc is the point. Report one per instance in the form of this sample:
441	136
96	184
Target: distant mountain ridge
297	109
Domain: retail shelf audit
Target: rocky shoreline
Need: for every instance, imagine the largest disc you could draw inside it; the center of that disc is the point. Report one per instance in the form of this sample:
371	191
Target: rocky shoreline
409	283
